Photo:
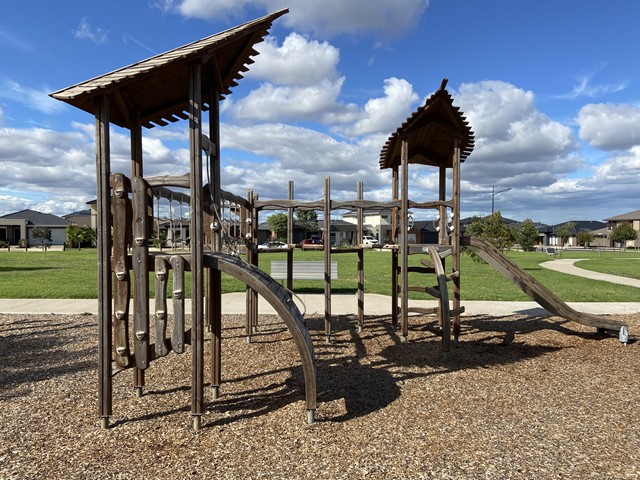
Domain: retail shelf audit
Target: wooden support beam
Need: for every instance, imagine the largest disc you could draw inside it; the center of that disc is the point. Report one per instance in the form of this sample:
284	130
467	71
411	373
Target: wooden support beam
197	241
103	161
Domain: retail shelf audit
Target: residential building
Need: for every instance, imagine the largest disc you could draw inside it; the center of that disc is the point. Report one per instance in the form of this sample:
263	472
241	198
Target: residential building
17	228
631	218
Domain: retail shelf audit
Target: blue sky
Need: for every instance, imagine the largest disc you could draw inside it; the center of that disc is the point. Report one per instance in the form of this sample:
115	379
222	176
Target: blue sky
551	89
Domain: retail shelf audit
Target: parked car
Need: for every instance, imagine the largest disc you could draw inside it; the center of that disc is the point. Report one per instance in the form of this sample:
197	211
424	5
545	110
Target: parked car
272	244
314	240
368	240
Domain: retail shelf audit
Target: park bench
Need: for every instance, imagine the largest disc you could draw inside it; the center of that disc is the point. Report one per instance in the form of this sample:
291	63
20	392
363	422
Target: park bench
551	251
302	270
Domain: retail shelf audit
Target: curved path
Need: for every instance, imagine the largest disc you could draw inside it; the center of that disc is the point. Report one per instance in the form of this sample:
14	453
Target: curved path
566	265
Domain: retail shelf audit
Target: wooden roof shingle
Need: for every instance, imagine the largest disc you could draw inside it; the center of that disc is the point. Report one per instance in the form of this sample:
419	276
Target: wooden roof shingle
431	130
158	87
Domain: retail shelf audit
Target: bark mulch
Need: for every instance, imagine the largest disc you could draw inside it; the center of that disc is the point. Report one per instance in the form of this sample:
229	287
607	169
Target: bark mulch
520	397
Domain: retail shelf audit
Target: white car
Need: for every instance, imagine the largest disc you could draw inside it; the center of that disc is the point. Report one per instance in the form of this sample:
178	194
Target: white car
368	240
274	244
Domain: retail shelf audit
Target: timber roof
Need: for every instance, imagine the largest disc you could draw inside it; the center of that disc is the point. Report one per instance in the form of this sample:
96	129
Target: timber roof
158	88
431	130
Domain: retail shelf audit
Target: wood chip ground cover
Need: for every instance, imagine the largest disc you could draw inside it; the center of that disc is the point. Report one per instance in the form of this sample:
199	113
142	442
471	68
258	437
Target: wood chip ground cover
520	397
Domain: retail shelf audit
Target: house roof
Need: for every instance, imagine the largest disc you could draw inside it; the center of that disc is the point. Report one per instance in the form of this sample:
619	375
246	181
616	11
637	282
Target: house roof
79	213
37	219
158	88
635	215
431	131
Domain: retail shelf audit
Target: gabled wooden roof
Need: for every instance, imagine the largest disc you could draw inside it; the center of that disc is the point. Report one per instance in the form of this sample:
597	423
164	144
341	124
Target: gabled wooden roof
159	86
431	130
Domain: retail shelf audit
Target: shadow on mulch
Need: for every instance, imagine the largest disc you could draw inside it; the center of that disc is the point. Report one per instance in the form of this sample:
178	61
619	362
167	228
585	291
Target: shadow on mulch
35	349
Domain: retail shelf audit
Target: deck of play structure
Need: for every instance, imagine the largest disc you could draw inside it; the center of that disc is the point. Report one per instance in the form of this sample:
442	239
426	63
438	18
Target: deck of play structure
182	84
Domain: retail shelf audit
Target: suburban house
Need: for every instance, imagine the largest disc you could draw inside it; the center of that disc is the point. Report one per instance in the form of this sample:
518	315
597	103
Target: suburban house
81	218
552	239
631	218
375	223
16	228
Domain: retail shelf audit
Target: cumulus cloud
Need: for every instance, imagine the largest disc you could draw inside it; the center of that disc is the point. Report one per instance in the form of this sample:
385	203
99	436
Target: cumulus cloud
325	19
608	126
386	113
298	62
516	144
301	82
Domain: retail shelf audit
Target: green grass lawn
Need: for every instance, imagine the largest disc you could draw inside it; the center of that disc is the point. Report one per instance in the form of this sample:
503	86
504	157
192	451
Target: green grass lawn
73	274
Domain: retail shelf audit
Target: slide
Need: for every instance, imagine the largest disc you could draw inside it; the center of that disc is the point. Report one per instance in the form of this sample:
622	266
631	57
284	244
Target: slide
535	289
281	301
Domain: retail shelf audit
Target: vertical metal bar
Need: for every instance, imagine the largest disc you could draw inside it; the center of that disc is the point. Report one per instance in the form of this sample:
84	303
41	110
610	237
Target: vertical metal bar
197	236
404	242
103	161
327	257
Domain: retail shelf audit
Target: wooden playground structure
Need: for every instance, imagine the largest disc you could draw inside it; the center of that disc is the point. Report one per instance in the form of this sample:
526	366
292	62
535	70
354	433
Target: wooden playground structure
183	84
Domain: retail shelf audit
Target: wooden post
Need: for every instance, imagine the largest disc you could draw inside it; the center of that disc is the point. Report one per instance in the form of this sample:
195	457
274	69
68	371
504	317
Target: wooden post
404	242
121	208
161	274
442	210
359	233
103	160
290	218
393	240
455	240
142	201
214	277
197	240
327	258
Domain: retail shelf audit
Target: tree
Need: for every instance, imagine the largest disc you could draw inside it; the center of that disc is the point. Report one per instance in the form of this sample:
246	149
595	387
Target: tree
527	235
78	237
565	232
585	238
493	229
308	220
42	236
623	233
278	224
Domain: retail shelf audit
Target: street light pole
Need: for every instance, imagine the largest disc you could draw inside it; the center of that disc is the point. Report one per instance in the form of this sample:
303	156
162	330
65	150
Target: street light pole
493	196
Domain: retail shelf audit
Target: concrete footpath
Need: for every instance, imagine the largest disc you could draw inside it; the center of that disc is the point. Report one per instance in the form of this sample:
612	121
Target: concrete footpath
234	303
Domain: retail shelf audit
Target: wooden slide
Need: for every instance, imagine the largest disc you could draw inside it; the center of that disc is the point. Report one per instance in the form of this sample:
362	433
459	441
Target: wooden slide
538	292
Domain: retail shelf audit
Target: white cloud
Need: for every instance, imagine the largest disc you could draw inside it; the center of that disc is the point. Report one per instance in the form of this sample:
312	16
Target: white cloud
32	98
298	62
610	127
326	18
386	114
85	31
516	144
271	103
